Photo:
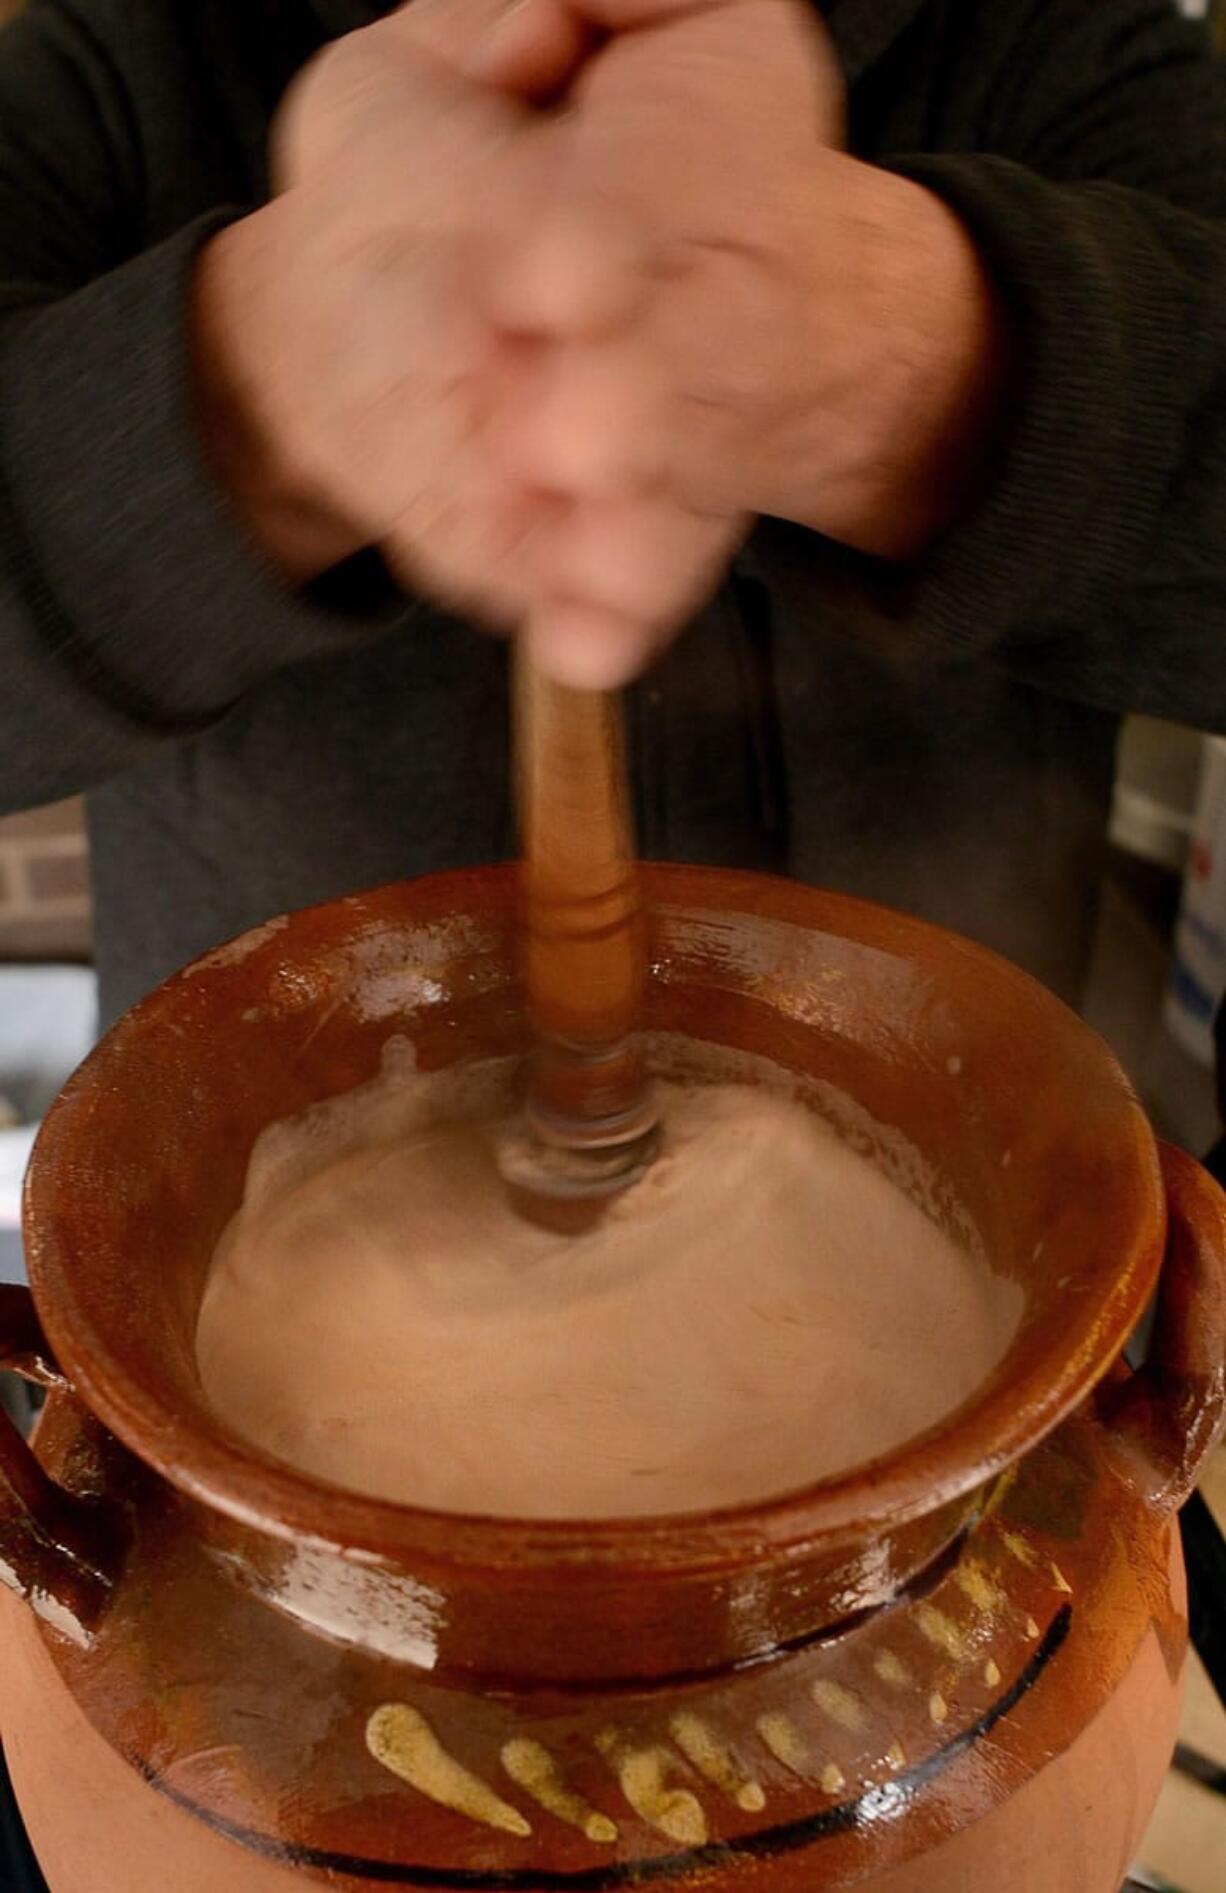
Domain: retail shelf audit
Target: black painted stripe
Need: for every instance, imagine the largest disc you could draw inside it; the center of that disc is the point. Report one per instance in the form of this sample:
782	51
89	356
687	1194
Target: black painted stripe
791	1837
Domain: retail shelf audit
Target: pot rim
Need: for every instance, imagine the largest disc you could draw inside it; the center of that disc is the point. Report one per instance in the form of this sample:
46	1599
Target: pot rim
959	1456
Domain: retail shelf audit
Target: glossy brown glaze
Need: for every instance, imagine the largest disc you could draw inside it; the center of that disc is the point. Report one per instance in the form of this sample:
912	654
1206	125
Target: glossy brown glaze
1001	1090
59	1550
1057	1632
1164	1419
872	1667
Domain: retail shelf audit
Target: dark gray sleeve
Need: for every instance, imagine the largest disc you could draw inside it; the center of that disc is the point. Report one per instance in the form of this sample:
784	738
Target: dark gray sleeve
1095	566
131	607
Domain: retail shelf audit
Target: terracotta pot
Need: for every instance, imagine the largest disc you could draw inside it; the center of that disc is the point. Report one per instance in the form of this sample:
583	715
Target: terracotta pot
957	1668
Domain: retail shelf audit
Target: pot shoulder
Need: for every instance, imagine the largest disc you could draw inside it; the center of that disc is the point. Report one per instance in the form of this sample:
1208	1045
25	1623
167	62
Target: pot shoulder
859	1753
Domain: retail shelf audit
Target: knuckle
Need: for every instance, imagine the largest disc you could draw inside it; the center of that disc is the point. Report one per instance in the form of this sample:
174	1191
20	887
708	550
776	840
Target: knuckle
346	93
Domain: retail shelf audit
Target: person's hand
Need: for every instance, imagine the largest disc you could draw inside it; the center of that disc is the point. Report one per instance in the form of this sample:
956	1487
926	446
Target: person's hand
344	357
823	339
551	363
359	384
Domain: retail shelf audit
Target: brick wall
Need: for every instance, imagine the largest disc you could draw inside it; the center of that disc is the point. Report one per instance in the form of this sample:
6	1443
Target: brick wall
44	884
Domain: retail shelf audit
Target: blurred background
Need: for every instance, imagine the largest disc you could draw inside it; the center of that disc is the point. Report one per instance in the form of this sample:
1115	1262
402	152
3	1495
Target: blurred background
1158	974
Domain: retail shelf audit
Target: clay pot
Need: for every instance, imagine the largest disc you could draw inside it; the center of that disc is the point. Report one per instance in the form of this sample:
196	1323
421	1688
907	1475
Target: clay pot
957	1668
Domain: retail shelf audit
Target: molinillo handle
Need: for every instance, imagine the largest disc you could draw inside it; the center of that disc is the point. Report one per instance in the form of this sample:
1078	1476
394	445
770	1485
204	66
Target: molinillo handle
1165	1418
57	1550
590	1120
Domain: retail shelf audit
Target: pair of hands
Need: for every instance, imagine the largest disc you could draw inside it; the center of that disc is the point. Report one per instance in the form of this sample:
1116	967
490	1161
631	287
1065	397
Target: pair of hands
552	299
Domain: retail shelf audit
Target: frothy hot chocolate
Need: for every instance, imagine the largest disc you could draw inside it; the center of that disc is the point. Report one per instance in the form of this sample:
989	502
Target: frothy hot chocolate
765	1309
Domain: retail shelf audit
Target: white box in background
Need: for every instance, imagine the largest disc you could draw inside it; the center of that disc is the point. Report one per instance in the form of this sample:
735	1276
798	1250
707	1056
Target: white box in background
48	1021
1198	974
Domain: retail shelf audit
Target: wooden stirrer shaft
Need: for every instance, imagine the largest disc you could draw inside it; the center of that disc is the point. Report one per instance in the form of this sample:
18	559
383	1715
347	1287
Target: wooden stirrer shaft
584	938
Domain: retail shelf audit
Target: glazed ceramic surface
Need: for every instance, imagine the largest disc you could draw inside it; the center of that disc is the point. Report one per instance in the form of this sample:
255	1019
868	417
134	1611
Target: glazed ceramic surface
957	1668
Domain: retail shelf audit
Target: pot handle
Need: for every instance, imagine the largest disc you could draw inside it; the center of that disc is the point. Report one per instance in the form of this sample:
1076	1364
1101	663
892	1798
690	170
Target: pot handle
57	1550
1165	1418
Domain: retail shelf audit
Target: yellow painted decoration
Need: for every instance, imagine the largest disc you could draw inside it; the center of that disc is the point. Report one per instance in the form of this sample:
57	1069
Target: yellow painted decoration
780	1734
1032	1630
941	1631
991	1674
892	1671
833	1779
896	1755
715	1761
974	1582
642	1775
1019	1549
1060	1581
938	1708
841	1706
402	1741
532	1768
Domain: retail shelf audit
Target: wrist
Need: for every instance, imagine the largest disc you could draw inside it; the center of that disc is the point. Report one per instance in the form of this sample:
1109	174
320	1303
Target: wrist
288	520
924	350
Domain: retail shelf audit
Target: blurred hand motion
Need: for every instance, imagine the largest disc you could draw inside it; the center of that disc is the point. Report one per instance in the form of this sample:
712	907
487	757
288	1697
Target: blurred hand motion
551	300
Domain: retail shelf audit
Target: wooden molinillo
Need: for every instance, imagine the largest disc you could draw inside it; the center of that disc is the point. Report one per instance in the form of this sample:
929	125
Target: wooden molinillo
590	1120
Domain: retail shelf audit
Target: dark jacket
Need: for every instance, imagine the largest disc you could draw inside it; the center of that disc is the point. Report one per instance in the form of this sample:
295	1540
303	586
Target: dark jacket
940	737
